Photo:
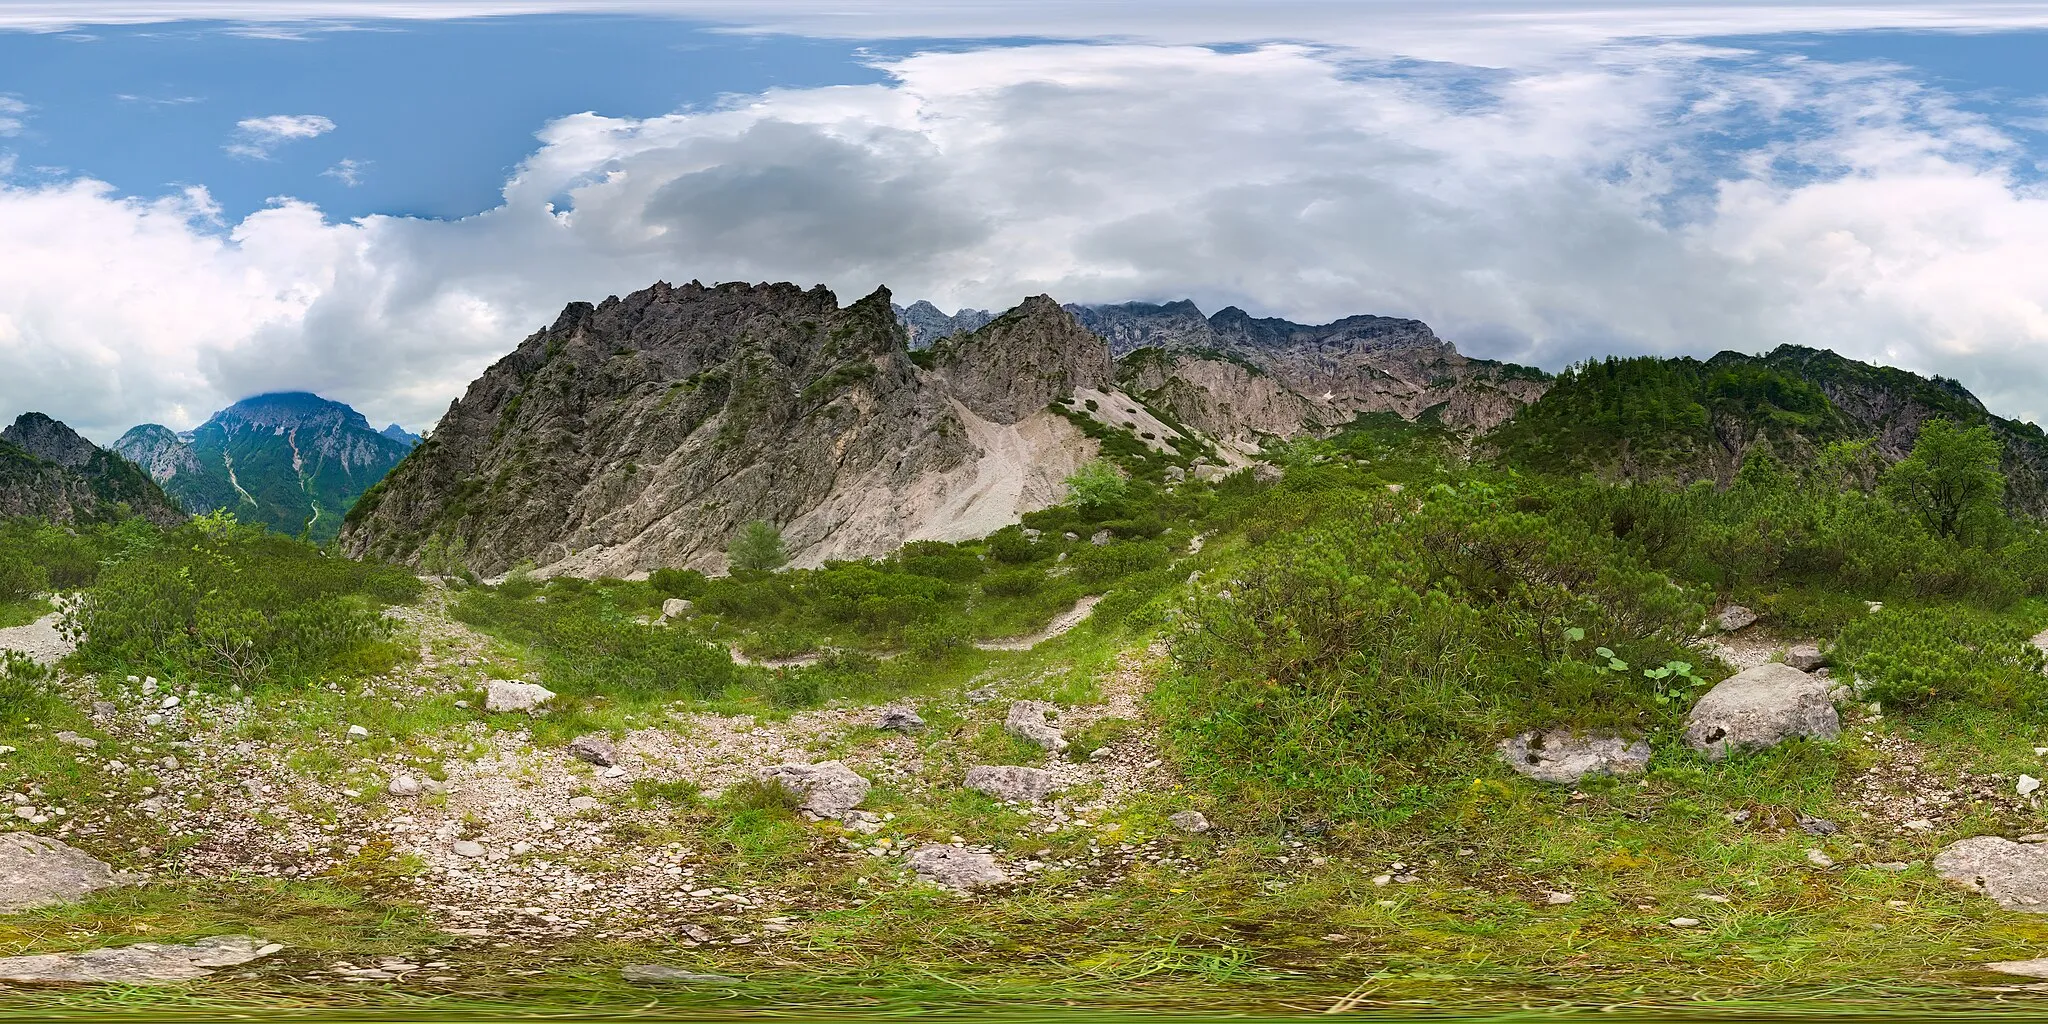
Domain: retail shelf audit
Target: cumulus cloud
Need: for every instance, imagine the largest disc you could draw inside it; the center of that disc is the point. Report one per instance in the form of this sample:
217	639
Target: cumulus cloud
258	137
1624	203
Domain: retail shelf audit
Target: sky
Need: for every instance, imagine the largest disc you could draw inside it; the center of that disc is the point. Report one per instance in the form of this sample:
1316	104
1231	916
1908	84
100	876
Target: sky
374	200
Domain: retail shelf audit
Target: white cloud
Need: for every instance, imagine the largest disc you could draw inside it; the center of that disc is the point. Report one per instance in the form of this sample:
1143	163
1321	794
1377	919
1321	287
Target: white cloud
349	171
1543	215
258	137
156	101
1487	31
12	115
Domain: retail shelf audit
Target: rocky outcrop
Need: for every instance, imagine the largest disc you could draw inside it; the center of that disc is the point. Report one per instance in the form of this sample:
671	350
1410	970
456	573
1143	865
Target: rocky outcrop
292	461
1319	376
1227	399
645	431
47	470
1022	362
1759	708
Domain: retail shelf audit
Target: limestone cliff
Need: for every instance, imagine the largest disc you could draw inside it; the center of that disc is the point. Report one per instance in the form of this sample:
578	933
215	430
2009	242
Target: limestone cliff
1337	371
643	432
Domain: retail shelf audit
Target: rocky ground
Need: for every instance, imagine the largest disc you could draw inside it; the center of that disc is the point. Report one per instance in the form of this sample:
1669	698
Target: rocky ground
505	840
433	788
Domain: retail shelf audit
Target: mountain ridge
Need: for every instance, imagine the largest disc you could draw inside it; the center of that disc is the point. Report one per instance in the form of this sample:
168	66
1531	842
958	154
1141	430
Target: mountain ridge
48	470
291	460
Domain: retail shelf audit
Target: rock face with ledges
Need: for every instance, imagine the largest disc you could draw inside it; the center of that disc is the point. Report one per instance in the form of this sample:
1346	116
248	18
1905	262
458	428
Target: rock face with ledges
645	431
1336	371
1022	361
1759	708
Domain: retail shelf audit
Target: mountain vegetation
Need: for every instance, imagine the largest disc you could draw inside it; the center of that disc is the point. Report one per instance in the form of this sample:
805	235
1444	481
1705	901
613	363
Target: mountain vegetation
1694	686
292	462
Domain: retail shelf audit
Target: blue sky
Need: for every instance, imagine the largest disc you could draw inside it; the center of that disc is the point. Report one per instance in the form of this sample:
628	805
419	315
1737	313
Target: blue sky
433	114
373	200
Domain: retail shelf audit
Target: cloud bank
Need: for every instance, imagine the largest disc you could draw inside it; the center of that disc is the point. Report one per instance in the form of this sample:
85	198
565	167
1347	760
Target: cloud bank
1626	203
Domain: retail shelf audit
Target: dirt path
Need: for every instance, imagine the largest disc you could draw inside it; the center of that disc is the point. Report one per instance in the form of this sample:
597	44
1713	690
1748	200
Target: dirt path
1060	624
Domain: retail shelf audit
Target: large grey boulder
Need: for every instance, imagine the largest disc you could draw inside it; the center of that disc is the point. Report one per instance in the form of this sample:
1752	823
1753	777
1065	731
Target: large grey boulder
39	872
1027	721
1735	617
506	695
141	964
674	607
829	789
1759	708
1013	783
2014	874
1564	757
956	868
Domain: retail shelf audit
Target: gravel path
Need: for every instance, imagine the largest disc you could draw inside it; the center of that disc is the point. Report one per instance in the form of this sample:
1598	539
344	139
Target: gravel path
1060	624
39	640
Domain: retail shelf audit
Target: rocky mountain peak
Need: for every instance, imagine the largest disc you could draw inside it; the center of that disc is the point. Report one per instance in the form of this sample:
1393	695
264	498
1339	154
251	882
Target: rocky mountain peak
926	325
290	409
1023	361
49	440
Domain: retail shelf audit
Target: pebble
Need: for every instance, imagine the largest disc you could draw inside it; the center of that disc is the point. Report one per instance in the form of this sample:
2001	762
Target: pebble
1685	922
1819	859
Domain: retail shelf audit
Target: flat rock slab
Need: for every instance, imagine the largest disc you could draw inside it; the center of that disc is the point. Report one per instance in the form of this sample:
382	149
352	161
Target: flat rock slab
662	974
1027	721
956	868
1758	708
2021	968
145	963
1013	782
2014	874
829	789
1563	757
39	872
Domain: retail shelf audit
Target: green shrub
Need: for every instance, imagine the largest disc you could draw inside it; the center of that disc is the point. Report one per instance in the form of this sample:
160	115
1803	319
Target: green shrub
20	576
1922	659
25	688
217	602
